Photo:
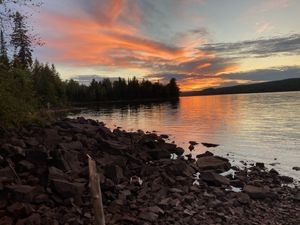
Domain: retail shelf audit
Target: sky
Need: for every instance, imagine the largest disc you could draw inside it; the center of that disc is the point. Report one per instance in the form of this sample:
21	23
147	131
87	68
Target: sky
201	43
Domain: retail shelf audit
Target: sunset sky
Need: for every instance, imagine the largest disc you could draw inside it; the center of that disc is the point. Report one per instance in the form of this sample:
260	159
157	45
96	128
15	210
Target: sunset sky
201	43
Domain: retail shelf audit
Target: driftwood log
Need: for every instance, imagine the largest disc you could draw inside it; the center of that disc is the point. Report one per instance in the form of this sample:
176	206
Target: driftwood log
96	193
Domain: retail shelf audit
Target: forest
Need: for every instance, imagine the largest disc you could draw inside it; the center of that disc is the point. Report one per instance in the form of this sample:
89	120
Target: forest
27	85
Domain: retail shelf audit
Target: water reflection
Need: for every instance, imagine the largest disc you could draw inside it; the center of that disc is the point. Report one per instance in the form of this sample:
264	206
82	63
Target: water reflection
257	127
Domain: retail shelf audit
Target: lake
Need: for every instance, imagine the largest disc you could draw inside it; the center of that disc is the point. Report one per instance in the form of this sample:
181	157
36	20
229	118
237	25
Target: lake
249	127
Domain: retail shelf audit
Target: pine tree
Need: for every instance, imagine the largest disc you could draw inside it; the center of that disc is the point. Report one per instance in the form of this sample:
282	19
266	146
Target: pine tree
3	50
21	41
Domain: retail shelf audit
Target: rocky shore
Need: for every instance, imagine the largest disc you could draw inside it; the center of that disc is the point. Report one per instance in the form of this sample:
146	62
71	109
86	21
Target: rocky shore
44	179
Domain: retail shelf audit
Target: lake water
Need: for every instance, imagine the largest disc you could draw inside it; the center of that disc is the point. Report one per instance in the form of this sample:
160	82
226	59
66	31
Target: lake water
250	127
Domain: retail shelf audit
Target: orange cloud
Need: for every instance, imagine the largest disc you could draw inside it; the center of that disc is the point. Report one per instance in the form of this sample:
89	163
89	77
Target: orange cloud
104	36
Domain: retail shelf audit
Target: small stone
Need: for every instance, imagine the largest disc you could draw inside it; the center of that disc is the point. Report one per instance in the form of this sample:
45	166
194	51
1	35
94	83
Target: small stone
209	145
256	192
193	143
148	216
23	193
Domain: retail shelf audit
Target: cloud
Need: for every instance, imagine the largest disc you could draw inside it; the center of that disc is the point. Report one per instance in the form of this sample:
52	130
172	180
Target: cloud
195	82
265	74
287	45
140	36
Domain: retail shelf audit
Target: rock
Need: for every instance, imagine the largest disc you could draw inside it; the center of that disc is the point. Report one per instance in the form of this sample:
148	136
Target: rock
22	193
256	192
212	163
6	220
164	136
32	141
37	156
176	190
71	160
74	145
260	165
25	165
159	154
114	173
286	179
67	189
191	147
148	216
55	173
273	171
297	197
243	198
155	209
209	145
296	168
42	198
20	210
7	149
214	179
34	219
193	143
7	172
207	153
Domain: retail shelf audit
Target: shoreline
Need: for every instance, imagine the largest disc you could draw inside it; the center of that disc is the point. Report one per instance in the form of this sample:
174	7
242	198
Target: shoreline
144	180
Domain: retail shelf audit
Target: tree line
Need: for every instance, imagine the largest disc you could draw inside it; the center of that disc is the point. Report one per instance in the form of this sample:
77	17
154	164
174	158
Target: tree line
27	86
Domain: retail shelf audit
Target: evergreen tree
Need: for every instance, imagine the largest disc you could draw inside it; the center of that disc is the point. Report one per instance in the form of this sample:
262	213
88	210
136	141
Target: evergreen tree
3	50
21	41
173	88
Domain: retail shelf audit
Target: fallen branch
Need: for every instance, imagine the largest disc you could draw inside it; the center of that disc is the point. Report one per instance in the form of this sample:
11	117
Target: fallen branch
96	192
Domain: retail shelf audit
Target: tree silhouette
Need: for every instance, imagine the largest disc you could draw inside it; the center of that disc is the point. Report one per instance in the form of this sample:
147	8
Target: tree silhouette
3	50
21	42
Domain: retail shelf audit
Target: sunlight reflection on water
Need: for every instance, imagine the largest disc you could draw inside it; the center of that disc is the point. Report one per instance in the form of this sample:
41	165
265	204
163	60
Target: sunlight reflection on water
248	127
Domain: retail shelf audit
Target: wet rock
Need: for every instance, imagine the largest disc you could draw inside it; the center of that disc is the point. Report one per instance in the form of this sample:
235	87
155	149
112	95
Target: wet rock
296	168
193	143
212	163
207	153
164	136
273	171
209	145
256	192
214	179
260	165
191	147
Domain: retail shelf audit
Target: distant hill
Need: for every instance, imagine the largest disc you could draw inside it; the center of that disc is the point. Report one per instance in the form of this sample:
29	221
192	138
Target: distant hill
272	86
